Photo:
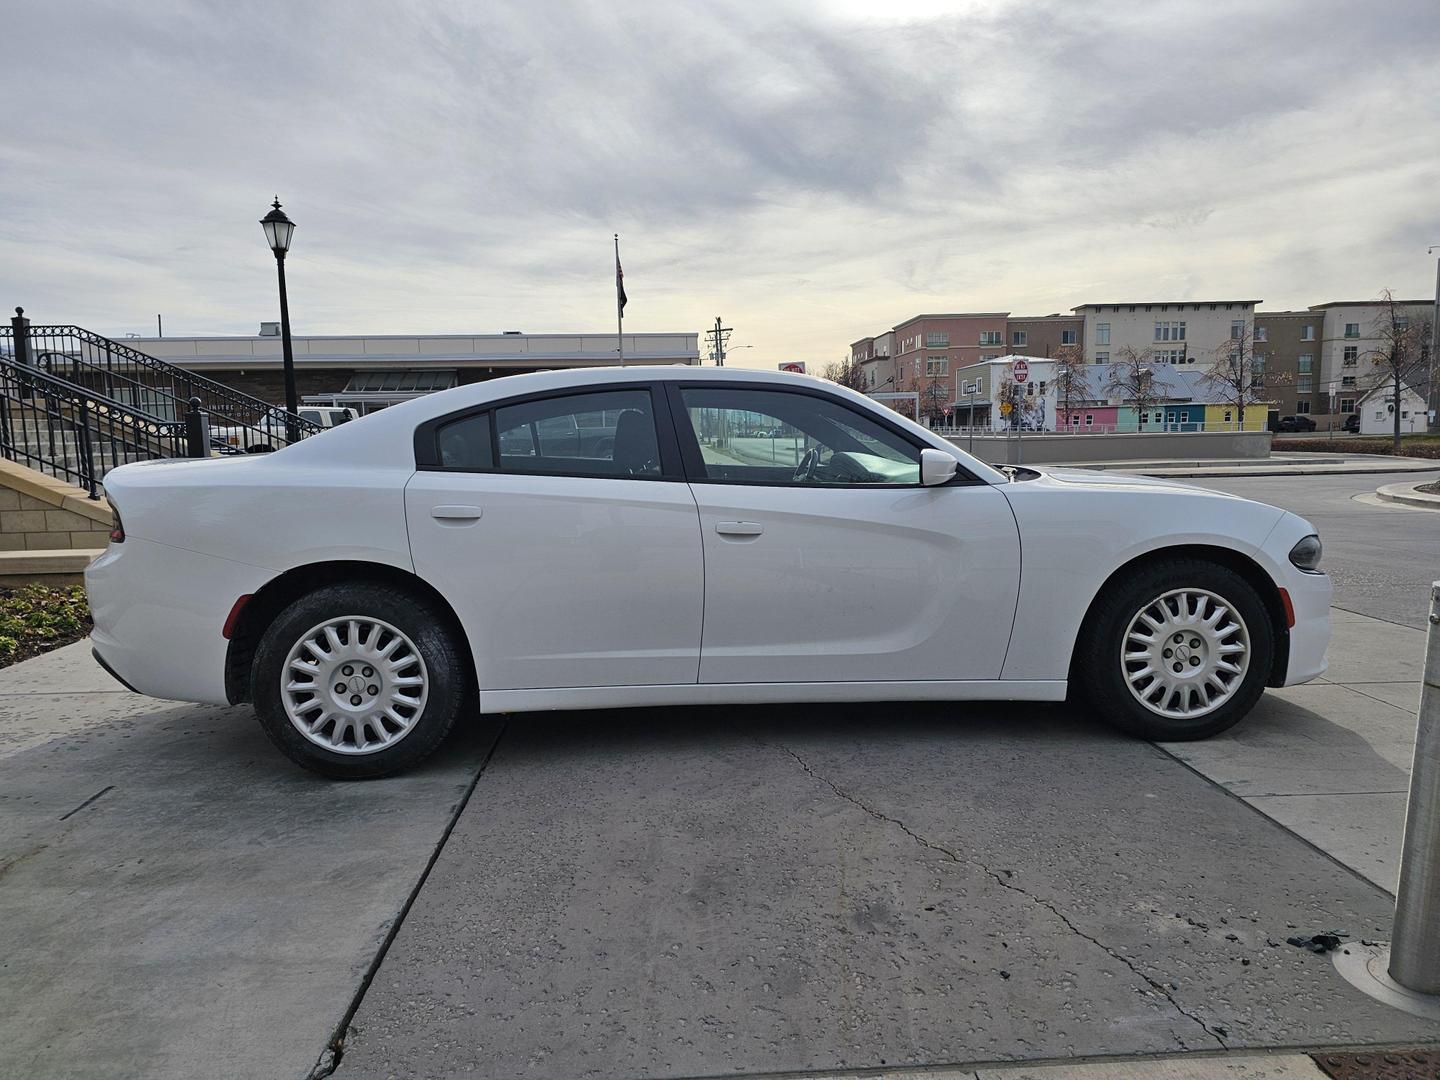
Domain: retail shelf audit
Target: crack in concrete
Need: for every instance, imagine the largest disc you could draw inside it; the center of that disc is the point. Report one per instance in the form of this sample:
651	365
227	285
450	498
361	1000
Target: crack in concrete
1001	880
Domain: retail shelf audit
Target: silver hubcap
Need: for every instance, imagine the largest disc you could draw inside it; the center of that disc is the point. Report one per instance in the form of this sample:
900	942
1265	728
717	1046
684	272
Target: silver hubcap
1185	653
354	685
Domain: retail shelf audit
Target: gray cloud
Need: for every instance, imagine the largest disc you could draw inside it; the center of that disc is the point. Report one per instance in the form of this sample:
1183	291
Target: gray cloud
809	173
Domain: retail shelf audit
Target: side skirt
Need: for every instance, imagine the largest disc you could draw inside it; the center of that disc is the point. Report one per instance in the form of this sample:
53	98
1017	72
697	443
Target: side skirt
619	697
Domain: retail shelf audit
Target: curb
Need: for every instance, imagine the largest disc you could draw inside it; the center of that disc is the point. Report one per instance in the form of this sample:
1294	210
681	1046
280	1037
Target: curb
1407	495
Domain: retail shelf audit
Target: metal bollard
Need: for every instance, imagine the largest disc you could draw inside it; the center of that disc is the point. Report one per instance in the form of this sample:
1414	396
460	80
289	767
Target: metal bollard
1415	945
197	430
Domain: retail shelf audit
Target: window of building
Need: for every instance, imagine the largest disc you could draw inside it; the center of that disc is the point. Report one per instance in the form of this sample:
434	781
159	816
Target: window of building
1402	322
1307	333
611	433
1262	333
979	386
989	337
1237	328
937	365
1089	419
1347	404
1102	333
937	339
1303	384
1228	414
1305	363
1352	353
1352	329
1030	389
1302	407
1102	358
1019	337
1172	356
832	445
1067	337
1347	381
989	356
1170	331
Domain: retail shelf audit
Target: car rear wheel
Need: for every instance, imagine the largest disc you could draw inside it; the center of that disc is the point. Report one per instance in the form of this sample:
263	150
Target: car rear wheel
1180	651
356	681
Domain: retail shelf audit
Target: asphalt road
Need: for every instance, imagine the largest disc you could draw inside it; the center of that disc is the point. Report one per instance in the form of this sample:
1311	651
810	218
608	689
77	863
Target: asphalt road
1381	557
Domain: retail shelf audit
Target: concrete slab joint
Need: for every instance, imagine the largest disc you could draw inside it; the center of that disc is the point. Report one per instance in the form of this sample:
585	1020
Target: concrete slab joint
1006	880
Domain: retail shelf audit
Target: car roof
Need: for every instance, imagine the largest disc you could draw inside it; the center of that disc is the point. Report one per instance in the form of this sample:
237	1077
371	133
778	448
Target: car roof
384	436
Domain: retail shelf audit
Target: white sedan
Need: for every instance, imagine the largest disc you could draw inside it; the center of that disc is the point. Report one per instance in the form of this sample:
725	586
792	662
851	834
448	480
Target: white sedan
678	536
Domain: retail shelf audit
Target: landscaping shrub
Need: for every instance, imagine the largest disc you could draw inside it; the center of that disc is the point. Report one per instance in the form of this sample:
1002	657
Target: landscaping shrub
1418	446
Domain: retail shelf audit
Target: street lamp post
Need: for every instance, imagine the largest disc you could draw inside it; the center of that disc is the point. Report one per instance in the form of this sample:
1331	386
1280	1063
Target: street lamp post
278	231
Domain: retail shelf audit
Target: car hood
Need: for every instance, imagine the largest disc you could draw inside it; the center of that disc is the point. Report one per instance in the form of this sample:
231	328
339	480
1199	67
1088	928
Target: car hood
1110	481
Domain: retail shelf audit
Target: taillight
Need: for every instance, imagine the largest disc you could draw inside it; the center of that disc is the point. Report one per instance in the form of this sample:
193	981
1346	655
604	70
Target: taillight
117	530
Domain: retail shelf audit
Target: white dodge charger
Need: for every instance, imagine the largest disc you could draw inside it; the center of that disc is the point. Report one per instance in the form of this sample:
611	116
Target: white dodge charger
676	536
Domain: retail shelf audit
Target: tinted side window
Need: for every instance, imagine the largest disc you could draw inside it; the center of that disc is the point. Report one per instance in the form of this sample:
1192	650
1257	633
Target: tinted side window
608	433
779	437
465	443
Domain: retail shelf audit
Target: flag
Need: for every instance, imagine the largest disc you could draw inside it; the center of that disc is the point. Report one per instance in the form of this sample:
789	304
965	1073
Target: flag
619	282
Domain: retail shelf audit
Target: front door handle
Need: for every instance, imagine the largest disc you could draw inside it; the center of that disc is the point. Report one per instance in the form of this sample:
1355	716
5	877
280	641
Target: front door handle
456	513
739	528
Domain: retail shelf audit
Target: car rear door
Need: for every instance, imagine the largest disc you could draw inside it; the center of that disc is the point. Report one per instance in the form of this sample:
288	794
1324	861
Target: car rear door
569	564
838	567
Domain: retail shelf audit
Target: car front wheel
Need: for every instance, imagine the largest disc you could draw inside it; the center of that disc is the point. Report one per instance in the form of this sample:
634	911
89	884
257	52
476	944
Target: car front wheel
1180	651
357	681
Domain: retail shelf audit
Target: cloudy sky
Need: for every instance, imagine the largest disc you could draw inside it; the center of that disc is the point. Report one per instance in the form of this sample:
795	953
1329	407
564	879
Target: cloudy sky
813	172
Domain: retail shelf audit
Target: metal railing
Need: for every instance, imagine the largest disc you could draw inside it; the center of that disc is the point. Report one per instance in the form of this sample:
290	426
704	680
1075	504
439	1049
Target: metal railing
53	426
150	386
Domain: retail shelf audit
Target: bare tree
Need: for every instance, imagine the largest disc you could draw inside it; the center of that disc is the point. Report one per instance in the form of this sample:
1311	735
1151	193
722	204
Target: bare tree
1132	379
1401	359
1071	378
1015	402
1237	373
847	373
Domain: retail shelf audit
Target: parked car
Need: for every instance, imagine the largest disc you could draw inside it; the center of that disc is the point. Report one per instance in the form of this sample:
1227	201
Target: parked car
1292	424
270	435
366	590
1352	423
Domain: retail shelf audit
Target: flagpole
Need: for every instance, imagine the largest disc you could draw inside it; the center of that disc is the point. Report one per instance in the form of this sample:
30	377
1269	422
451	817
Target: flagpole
619	308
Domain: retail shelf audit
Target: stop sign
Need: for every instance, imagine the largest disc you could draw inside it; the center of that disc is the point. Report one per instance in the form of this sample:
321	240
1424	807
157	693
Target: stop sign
1020	371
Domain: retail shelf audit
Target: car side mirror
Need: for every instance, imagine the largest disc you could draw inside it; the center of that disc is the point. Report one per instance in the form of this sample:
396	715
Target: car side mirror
936	467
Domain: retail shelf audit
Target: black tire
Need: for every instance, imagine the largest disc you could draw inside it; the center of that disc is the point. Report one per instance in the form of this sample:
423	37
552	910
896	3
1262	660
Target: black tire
447	682
1100	674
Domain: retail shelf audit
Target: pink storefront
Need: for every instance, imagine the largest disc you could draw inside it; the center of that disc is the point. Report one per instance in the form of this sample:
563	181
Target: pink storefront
1097	418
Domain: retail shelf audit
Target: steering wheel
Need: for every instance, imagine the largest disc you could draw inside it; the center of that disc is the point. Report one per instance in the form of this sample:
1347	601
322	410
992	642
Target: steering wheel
806	469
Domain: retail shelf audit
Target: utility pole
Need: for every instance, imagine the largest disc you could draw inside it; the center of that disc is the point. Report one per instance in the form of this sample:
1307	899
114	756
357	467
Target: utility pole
718	337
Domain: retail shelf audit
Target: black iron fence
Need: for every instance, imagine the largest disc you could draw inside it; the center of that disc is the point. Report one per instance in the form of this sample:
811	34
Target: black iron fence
155	388
61	429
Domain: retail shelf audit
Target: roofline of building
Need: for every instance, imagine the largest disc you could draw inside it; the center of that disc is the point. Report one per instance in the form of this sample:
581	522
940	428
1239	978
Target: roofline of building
1041	318
407	337
1374	302
1155	303
953	315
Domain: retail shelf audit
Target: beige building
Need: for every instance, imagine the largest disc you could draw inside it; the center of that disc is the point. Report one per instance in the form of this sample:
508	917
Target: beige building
1349	336
1188	333
372	371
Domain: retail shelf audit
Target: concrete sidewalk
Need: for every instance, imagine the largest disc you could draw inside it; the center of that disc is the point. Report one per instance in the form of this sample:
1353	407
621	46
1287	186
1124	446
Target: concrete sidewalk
176	899
1278	464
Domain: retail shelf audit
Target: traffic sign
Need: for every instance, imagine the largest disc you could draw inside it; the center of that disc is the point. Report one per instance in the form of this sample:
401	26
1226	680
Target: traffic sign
796	366
1020	371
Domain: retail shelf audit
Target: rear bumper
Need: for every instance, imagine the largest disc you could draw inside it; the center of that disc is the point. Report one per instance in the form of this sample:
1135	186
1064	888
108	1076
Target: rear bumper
159	614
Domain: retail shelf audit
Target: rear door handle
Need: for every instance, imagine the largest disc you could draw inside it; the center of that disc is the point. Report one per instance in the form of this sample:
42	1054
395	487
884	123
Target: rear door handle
456	513
739	528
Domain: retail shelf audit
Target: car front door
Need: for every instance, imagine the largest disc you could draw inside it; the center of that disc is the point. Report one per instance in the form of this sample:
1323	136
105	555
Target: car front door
825	559
570	562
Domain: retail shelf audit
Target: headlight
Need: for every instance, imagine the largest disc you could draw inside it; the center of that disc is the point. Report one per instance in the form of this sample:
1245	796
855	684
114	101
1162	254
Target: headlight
1306	554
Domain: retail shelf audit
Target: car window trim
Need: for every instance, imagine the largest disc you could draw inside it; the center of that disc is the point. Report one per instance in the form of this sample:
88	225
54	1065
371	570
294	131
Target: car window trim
427	434
694	462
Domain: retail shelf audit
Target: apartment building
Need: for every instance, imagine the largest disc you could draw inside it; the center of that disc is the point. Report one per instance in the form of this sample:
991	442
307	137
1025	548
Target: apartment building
1287	343
874	355
930	348
1043	335
1349	336
1187	334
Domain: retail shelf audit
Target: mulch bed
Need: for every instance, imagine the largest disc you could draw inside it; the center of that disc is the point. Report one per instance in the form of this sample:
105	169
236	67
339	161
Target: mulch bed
37	618
1430	489
1413	446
